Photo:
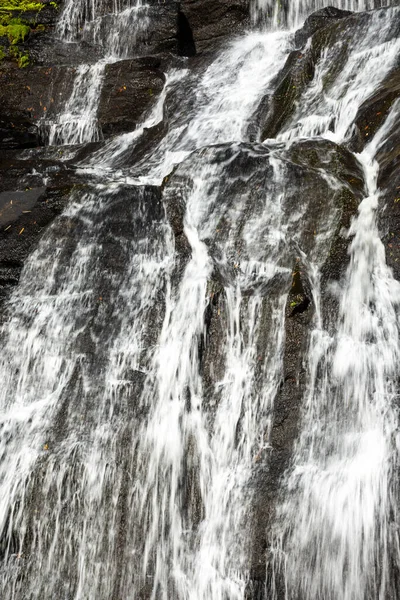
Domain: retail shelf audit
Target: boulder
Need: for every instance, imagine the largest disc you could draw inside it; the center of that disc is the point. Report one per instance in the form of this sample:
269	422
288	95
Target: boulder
28	97
130	88
211	21
373	112
318	20
291	83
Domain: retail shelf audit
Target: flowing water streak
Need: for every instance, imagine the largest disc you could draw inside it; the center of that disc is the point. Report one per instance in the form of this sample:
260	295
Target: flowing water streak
217	568
292	13
225	97
69	395
334	536
76	551
330	104
215	449
78	13
116	34
78	123
181	559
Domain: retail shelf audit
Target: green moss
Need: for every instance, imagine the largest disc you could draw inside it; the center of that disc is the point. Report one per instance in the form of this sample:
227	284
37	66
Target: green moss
22	5
15	53
23	60
14	29
13	26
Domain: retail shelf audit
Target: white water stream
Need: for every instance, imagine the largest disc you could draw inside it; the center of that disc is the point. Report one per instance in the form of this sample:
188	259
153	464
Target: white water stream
336	533
125	474
116	34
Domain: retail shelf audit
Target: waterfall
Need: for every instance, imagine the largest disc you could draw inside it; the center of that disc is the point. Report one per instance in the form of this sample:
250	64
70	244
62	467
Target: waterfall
335	534
146	348
334	538
292	13
117	35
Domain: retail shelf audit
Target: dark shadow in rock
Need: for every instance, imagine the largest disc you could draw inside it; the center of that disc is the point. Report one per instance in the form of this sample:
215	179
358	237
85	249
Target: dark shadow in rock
186	44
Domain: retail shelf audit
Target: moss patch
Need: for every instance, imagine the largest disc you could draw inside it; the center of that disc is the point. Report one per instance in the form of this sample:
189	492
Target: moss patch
15	28
22	5
21	56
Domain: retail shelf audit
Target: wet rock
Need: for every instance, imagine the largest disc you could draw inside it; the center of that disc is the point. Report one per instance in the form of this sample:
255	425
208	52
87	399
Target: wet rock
248	176
318	20
146	29
323	186
37	167
389	200
290	84
162	29
24	216
14	204
27	97
211	21
379	111
335	41
373	112
130	88
332	158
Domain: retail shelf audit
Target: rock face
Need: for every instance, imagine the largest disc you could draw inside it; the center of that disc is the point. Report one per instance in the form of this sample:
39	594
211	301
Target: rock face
322	207
24	216
373	112
376	112
35	93
389	183
264	215
318	20
332	33
28	97
130	88
212	22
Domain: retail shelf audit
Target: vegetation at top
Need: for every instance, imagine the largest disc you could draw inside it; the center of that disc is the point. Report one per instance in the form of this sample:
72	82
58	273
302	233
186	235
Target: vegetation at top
15	28
22	5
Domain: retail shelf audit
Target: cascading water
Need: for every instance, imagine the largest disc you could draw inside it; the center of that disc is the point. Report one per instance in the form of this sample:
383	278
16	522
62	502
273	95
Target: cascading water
334	534
143	349
117	38
291	13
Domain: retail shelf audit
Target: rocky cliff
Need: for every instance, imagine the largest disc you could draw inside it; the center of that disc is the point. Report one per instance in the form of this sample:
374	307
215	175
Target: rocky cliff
314	177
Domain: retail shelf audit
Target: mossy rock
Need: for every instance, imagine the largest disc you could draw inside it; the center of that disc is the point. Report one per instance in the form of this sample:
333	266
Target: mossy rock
19	21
